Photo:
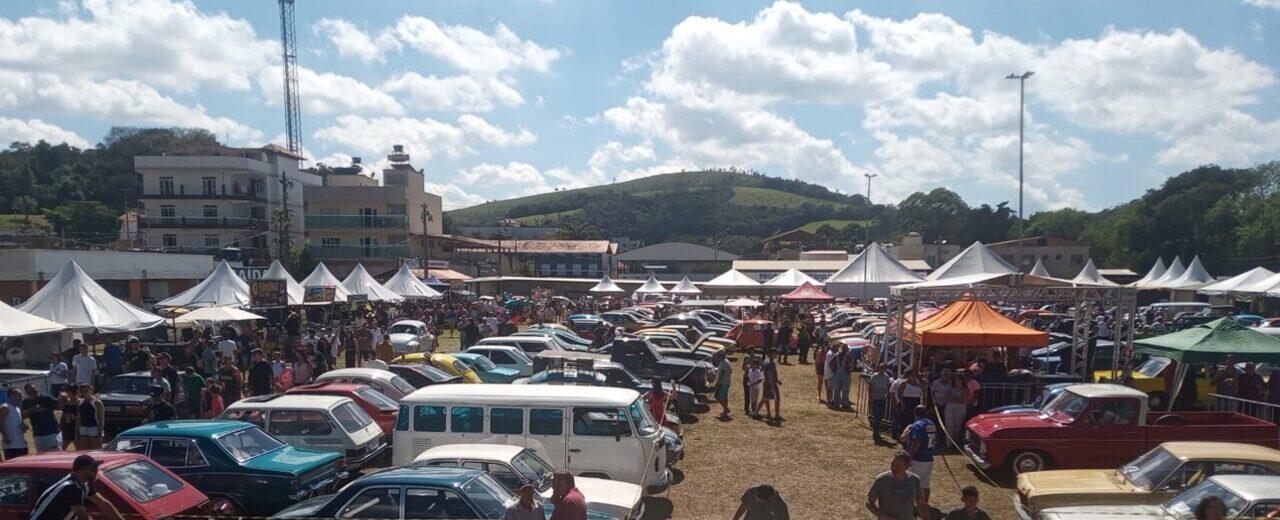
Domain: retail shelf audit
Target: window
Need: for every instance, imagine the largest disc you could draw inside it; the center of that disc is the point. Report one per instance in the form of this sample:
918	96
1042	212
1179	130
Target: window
600	422
402	419
254	417
1113	412
330	242
1077	259
376	398
212	241
395	209
15	490
209	185
169	240
210	211
299	422
506	420
466	419
168	211
368	217
176	453
138	446
143	480
501	358
507	476
351	418
166	185
379	502
546	421
428	419
425	503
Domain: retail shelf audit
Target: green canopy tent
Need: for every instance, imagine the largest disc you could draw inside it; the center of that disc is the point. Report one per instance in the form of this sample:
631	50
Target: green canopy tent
1210	343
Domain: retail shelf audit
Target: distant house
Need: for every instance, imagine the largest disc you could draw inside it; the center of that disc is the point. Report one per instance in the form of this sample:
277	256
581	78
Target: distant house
1062	257
572	258
789	244
675	258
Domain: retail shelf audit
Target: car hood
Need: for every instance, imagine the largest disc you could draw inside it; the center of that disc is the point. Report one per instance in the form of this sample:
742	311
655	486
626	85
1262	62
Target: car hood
401	338
304	509
295	461
1045	489
123	398
611	497
1129	512
505	372
991	424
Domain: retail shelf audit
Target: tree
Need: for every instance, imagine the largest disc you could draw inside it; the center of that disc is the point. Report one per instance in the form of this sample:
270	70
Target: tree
24	205
938	215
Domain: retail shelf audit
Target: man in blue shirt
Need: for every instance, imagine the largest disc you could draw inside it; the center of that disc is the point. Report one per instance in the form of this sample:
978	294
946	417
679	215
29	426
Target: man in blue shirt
919	439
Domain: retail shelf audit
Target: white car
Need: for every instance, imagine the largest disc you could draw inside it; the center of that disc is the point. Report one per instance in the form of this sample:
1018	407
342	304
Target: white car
515	466
506	356
319	422
411	336
385	381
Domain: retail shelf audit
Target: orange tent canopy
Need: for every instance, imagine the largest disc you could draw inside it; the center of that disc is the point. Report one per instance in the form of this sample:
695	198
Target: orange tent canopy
971	323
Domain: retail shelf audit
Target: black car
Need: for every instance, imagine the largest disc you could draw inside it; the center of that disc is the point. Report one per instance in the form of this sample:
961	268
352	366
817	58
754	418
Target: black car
423	375
644	360
124	401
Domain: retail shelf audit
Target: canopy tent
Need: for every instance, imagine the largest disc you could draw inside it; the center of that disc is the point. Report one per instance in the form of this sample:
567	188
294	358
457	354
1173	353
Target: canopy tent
972	323
1039	269
361	282
791	279
742	302
321	277
1157	270
1212	342
807	293
14	323
433	282
1194	277
651	286
685	288
870	274
292	287
1270	286
975	259
1089	276
223	287
408	286
216	315
606	286
1174	271
1238	282
731	281
74	300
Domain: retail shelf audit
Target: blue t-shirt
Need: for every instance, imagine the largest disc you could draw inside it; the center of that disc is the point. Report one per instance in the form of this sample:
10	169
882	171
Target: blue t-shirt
114	358
923	434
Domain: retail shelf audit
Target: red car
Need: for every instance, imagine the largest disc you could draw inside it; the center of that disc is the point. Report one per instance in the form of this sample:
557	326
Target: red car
137	486
749	333
380	407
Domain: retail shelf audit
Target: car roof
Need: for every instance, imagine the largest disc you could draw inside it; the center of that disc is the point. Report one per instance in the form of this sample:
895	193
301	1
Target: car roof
545	395
502	452
499	339
368	373
421	475
410	322
62	460
1092	390
192	428
495	347
332	386
1251	487
1190	450
290	401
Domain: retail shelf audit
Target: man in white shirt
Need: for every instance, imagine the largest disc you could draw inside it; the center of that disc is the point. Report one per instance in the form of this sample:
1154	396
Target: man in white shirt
83	365
227	348
58	374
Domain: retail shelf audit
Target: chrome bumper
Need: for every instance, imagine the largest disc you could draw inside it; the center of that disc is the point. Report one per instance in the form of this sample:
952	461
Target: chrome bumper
664	482
369	455
1021	510
975	458
319	487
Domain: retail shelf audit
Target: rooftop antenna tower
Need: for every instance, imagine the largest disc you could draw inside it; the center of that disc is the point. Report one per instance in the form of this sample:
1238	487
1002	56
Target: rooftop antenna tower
289	59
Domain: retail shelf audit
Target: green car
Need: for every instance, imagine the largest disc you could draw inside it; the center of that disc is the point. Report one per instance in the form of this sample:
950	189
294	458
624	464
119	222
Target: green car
235	463
488	372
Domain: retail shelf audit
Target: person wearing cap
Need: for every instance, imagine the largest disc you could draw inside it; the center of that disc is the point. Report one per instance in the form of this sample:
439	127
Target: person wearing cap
158	409
528	507
569	502
68	498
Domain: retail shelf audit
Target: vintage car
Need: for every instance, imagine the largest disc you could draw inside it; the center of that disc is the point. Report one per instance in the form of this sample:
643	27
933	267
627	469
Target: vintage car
321	422
380	407
124	400
515	466
625	320
1155	377
411	336
695	321
444	362
1243	496
1098	426
420	375
1047	394
506	356
487	370
138	487
385	381
564	335
269	473
749	333
1152	478
419	491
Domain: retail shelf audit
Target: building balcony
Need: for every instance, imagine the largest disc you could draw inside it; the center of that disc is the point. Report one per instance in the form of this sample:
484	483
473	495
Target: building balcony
203	223
246	196
352	252
357	221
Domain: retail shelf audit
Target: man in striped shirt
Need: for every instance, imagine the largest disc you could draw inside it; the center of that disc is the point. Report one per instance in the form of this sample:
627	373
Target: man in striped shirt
66	499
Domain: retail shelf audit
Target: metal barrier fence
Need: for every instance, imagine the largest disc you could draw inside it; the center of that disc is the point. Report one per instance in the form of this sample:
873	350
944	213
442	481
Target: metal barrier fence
1257	409
990	396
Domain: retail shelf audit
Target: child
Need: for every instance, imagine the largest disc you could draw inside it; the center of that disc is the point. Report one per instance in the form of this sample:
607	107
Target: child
755	377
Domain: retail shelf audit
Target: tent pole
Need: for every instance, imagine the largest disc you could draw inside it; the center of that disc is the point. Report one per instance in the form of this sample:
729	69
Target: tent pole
1180	374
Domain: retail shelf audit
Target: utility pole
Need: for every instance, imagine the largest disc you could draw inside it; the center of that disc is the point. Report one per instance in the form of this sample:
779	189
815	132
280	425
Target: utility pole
867	243
1022	96
283	222
426	251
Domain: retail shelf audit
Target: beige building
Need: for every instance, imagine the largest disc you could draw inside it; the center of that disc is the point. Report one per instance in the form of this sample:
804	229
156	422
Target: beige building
201	199
351	217
1062	257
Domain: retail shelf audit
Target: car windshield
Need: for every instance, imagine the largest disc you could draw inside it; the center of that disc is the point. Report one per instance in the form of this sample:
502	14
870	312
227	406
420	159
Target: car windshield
1067	407
128	385
376	398
351	417
481	363
533	469
1184	505
644	422
1153	367
143	481
1149	470
490	497
403	328
248	443
403	386
461	367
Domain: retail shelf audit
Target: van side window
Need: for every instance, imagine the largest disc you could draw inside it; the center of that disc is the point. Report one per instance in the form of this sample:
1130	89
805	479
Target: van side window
546	421
428	419
603	422
402	419
466	419
506	420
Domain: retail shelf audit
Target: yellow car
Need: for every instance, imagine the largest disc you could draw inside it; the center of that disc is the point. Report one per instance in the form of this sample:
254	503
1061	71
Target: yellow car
1152	478
1149	377
445	362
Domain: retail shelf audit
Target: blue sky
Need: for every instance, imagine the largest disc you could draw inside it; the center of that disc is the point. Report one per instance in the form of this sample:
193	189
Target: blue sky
504	98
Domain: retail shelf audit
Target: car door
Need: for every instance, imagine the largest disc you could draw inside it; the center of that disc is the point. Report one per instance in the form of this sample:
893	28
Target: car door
547	435
601	443
374	502
423	503
1110	432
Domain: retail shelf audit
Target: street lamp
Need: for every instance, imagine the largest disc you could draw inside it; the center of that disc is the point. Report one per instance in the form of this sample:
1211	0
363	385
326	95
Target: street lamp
867	241
1022	94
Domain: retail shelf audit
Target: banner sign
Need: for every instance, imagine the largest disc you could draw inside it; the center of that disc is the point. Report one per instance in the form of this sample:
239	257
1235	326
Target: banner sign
357	298
264	292
316	294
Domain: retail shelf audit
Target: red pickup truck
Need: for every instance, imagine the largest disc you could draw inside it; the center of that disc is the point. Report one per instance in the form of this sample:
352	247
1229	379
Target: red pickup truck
1098	426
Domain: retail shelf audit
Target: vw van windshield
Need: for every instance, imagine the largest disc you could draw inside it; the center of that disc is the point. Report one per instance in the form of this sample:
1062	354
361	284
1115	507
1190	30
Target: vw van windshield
644	422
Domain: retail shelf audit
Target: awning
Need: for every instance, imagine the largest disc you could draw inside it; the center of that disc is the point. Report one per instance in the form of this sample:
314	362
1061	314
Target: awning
14	322
807	293
1212	342
972	323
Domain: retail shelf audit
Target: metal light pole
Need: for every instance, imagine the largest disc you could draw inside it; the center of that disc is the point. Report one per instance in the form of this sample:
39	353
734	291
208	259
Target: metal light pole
1022	96
867	242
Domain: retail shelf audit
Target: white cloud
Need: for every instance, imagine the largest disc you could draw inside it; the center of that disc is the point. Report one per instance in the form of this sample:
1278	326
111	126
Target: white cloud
353	42
425	138
1268	4
471	49
460	93
477	128
33	130
613	152
324	93
519	174
1235	140
452	196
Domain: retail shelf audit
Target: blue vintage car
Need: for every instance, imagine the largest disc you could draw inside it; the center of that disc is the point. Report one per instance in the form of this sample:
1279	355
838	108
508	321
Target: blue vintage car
424	492
236	463
488	372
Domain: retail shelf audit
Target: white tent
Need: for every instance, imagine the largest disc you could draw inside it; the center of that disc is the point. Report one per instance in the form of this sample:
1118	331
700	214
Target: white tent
1089	276
1157	270
14	322
321	277
216	315
742	302
223	287
651	286
685	287
292	287
409	286
361	282
791	279
872	273
1238	282
606	286
1270	286
73	299
1174	271
731	281
1039	269
975	259
1194	277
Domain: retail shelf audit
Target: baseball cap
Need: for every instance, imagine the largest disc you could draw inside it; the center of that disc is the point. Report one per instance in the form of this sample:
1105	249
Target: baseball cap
84	462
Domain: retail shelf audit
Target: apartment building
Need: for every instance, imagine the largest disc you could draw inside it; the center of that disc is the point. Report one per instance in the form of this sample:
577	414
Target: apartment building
353	218
203	198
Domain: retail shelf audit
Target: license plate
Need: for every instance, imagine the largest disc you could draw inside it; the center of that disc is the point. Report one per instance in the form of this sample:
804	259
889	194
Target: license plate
112	408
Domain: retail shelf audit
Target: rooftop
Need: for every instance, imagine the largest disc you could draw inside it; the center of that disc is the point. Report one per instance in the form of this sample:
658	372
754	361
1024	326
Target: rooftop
676	252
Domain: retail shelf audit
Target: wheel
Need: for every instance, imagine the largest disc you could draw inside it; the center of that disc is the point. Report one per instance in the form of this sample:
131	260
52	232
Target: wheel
1027	461
1157	401
223	506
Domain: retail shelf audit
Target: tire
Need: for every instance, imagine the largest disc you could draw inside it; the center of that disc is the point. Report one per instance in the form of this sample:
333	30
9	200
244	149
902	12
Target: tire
1027	461
226	506
1157	401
